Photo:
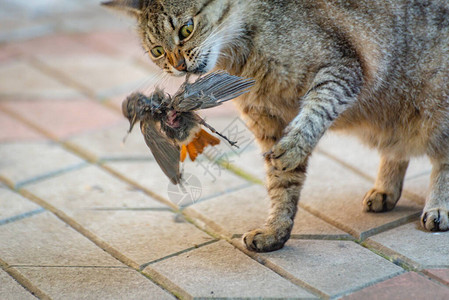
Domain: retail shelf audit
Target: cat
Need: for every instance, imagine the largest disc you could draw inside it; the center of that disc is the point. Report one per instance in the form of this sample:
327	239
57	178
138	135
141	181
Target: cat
378	69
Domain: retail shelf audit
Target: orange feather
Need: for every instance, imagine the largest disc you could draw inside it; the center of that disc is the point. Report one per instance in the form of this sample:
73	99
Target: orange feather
201	140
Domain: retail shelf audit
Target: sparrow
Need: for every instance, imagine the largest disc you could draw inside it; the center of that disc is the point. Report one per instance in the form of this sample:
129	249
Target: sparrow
169	124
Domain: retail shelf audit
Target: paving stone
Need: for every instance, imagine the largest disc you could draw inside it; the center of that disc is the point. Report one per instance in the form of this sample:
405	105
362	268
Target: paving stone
440	274
20	80
335	194
26	161
364	158
13	205
125	43
419	186
252	162
410	243
107	144
330	266
94	18
220	271
236	130
204	180
93	283
55	44
10	289
103	75
247	209
44	240
63	119
14	29
90	188
143	235
14	130
405	286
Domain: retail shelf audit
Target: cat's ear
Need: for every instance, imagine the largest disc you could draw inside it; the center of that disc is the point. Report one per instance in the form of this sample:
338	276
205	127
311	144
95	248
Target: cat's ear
131	7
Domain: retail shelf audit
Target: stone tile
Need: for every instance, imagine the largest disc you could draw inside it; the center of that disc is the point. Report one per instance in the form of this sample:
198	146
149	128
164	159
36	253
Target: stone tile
405	286
419	186
439	274
51	45
107	144
19	79
93	283
13	204
14	29
125	43
94	18
7	53
142	235
14	130
251	161
410	243
220	271
10	289
362	157
335	194
62	119
204	180
49	242
246	209
26	161
330	266
236	130
103	75
90	188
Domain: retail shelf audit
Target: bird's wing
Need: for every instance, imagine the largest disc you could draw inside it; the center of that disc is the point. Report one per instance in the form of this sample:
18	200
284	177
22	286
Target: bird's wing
211	90
166	153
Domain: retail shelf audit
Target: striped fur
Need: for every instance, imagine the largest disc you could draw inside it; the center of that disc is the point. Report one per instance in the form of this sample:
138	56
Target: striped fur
376	68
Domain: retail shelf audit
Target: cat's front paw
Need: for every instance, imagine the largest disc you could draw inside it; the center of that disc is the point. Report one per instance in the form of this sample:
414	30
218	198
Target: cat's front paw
264	240
435	219
287	154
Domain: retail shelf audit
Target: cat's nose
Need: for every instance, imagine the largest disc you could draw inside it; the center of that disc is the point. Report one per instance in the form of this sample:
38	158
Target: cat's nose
181	65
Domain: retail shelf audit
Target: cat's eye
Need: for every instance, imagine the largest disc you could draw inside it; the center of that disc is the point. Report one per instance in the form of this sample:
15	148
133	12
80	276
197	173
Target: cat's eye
157	51
186	30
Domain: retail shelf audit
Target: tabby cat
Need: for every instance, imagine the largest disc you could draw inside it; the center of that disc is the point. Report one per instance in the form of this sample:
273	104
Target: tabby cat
376	68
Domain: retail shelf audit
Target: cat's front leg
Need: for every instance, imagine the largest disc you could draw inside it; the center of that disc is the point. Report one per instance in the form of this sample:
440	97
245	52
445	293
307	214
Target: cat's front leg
284	189
333	90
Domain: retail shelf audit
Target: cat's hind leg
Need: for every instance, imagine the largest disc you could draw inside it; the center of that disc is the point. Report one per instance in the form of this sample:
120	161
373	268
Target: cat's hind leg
435	216
388	187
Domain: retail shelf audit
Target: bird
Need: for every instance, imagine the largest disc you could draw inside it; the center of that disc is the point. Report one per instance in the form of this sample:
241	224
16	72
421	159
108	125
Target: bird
170	126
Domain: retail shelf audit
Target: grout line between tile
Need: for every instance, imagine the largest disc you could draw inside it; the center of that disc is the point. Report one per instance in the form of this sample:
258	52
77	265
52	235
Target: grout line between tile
143	266
364	286
22	216
435	278
391	255
51	174
415	198
65	266
23	281
228	191
92	237
61	77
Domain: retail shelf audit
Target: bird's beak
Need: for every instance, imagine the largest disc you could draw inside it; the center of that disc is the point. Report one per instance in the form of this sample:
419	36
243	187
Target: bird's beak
132	122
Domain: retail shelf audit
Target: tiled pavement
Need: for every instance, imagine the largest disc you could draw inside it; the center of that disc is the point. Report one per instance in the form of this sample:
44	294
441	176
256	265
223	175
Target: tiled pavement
84	216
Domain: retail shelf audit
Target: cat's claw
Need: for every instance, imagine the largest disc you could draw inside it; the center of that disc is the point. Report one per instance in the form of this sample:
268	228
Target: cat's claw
263	240
379	201
286	155
435	219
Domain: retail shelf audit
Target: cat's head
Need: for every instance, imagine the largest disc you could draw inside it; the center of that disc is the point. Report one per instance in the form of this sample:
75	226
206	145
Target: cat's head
183	36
